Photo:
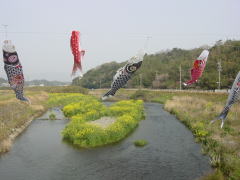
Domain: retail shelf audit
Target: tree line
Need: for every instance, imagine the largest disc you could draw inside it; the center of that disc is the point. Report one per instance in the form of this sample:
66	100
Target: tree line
165	66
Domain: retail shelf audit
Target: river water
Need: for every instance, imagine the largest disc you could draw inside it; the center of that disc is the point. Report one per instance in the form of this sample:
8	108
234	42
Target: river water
40	154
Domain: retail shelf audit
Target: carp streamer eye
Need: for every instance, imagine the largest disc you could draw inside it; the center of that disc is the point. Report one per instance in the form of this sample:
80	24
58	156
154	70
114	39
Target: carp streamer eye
131	68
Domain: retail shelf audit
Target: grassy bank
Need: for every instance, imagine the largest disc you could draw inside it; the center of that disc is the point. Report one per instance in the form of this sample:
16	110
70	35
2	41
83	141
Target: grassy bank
222	145
15	115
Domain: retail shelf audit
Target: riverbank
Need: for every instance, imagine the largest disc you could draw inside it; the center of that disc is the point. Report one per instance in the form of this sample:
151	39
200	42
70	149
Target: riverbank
15	116
222	145
196	109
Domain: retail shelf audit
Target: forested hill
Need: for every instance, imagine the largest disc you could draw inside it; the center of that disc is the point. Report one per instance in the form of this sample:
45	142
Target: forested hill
100	76
161	70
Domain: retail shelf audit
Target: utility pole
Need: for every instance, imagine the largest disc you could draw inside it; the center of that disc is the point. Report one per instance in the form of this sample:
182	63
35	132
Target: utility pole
140	81
156	80
219	66
156	75
78	79
100	84
180	77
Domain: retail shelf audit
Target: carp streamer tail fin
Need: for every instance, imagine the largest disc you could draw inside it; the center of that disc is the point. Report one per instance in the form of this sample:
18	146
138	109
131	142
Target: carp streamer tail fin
109	94
222	116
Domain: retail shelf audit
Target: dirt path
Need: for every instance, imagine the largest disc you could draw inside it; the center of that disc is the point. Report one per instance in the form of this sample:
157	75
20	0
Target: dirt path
104	122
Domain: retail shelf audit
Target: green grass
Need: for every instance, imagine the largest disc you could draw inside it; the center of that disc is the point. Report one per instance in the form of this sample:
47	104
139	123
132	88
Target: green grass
140	143
59	89
62	99
216	175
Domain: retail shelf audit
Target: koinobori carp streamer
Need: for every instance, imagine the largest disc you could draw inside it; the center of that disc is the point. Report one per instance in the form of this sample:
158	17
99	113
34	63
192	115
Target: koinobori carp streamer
76	51
124	74
233	97
13	69
198	67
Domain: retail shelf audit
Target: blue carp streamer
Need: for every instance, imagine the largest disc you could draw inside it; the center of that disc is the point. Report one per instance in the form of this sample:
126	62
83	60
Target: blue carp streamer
124	74
233	97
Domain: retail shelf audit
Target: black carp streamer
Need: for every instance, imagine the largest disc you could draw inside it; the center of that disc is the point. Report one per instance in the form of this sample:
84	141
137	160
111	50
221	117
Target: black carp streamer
233	97
13	69
124	74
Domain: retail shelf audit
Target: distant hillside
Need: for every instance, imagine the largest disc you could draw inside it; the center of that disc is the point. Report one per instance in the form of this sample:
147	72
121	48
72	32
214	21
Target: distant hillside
162	69
99	76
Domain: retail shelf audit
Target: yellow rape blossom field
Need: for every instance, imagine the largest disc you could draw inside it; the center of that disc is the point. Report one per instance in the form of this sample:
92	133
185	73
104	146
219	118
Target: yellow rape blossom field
83	108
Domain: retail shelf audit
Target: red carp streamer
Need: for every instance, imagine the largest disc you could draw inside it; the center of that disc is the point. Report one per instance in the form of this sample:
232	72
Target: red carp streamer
198	68
76	51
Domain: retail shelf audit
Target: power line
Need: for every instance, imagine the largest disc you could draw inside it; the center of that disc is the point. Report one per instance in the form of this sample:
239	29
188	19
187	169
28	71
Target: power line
127	34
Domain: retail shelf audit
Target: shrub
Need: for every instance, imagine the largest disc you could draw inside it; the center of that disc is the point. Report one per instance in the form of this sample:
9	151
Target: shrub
139	94
140	143
52	116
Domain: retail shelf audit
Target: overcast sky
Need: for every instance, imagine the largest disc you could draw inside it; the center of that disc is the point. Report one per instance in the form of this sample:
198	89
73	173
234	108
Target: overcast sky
111	30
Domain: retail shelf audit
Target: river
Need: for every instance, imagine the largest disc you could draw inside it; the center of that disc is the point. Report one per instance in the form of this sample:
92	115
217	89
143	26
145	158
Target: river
171	154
